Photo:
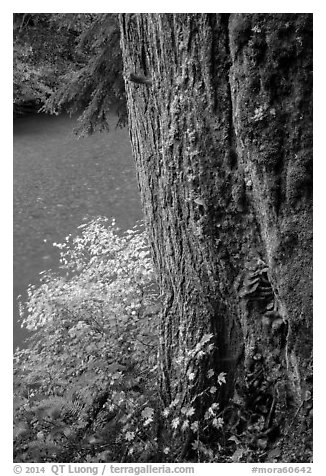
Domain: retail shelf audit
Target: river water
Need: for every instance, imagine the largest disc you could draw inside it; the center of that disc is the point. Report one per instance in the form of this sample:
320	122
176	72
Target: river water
59	181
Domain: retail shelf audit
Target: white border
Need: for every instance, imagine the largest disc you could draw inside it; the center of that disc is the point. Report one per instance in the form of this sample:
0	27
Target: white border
319	198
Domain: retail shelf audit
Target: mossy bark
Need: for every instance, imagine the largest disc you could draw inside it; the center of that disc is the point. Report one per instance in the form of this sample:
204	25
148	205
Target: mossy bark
221	136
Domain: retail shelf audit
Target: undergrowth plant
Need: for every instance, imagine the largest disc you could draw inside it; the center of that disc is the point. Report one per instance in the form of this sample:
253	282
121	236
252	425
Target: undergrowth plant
86	386
80	383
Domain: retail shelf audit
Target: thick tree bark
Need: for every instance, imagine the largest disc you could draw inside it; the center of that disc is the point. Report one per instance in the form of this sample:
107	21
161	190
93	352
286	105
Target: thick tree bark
220	120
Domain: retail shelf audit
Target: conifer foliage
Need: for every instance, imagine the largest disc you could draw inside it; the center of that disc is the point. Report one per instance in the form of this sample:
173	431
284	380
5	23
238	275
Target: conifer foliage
98	87
69	62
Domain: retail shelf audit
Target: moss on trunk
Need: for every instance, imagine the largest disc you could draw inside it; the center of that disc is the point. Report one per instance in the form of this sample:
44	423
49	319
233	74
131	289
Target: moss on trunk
221	136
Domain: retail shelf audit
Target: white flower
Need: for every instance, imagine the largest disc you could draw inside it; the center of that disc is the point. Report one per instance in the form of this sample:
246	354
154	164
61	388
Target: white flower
206	338
221	378
218	422
210	348
194	426
191	376
175	423
190	411
213	389
256	29
185	425
166	450
210	373
174	402
130	435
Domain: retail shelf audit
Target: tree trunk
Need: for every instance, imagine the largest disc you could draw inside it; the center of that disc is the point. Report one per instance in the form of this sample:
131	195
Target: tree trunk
220	120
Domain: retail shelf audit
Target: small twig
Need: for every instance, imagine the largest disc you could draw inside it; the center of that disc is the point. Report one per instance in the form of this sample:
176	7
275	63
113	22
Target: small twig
293	419
22	22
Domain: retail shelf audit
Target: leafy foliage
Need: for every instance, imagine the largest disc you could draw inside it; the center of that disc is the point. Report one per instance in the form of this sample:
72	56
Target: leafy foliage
86	387
81	381
188	417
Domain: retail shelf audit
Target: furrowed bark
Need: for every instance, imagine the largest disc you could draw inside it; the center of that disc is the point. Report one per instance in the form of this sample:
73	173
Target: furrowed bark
221	135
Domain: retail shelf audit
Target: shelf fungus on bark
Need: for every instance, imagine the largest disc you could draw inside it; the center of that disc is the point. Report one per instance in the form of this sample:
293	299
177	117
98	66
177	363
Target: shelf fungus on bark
256	285
140	79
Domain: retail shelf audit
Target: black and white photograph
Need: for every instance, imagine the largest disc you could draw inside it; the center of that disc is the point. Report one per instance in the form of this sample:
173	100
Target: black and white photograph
162	240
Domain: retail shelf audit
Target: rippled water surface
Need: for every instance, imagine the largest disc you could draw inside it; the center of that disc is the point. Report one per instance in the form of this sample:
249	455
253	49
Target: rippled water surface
58	181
